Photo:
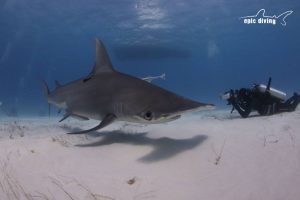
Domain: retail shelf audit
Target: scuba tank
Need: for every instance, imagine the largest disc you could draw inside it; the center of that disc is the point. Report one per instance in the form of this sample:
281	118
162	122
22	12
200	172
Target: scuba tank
272	91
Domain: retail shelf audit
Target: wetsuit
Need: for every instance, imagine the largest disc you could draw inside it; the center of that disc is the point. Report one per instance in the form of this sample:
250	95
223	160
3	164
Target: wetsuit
246	100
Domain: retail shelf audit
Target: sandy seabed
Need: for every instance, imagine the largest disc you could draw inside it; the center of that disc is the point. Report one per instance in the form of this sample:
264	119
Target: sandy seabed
211	155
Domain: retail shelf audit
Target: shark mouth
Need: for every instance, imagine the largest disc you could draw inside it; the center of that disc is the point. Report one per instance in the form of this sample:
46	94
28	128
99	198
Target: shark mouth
177	115
192	110
162	119
168	117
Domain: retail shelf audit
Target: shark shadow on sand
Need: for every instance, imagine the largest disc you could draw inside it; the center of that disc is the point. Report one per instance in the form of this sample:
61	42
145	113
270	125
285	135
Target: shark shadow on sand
163	148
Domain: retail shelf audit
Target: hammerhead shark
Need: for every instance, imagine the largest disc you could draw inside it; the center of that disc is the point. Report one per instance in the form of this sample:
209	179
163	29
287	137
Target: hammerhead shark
108	95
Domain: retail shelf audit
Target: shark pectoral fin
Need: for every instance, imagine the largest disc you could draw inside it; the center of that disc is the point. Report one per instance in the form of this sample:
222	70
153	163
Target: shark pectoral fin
65	117
108	119
79	117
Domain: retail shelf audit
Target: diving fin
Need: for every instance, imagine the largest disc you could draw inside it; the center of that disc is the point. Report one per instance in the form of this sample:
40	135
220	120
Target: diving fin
108	119
232	110
269	85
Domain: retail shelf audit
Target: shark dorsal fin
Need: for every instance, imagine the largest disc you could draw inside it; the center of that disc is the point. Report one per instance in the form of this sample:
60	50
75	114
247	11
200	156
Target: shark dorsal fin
103	63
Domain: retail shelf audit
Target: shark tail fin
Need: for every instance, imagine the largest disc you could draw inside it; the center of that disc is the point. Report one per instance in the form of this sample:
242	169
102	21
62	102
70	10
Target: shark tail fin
47	92
57	84
46	88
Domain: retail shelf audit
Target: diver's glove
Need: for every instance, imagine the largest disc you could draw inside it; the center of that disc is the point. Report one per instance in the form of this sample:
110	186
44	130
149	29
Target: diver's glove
228	96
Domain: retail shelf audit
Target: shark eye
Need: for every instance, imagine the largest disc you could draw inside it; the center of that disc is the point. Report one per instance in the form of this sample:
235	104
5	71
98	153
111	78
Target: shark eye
148	115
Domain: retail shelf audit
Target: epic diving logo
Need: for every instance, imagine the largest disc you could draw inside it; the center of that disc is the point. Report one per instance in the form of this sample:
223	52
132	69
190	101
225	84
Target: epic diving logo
261	18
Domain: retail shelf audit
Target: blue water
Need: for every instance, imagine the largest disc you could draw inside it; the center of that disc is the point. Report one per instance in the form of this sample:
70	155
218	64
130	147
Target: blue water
203	46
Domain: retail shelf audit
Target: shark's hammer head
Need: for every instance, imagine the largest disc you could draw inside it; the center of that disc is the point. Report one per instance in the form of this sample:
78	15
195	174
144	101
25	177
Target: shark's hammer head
167	109
153	105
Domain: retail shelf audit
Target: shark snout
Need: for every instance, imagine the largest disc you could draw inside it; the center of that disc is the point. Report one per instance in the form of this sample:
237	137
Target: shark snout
187	105
182	106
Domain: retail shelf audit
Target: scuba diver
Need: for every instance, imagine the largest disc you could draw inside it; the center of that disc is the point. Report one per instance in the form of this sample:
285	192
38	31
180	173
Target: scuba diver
261	98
